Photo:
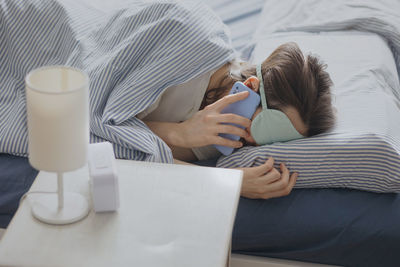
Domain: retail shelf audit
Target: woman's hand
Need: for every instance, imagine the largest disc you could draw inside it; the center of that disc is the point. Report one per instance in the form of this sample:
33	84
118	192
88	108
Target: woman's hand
265	182
203	128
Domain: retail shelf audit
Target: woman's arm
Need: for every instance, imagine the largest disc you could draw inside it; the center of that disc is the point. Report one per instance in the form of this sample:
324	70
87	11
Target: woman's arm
169	132
203	127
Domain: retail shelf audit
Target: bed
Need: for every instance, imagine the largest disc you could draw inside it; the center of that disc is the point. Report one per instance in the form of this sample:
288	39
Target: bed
329	226
339	226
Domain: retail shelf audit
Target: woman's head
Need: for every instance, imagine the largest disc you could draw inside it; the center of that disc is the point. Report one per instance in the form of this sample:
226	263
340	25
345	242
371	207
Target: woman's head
295	84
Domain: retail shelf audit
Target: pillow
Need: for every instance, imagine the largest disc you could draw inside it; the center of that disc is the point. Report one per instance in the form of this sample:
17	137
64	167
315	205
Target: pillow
363	150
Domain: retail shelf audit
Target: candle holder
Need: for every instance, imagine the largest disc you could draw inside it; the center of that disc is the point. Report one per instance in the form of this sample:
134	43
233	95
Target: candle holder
57	104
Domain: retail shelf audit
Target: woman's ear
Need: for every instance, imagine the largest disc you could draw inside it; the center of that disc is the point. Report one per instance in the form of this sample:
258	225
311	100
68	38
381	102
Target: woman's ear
253	83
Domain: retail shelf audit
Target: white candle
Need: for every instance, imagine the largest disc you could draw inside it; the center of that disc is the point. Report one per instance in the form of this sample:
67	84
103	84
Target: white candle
58	118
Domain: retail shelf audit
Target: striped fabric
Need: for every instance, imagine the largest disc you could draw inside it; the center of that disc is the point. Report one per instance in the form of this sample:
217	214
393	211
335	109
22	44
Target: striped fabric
132	52
366	162
363	151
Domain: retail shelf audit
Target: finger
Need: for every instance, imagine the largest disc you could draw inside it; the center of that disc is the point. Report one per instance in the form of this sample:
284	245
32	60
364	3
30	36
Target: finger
230	129
293	180
279	184
229	99
270	163
284	170
219	140
265	167
284	192
270	178
233	118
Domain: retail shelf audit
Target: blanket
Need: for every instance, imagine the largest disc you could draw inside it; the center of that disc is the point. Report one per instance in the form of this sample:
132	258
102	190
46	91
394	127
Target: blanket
132	51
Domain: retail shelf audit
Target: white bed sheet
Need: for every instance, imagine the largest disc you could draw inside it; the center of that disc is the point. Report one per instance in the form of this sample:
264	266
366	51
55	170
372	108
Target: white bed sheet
366	85
240	16
345	52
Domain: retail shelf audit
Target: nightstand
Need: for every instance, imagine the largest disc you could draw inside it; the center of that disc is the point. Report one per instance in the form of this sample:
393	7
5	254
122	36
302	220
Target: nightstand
169	215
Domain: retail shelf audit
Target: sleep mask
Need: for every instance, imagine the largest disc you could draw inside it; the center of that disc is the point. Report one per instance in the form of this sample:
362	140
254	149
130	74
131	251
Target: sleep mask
271	125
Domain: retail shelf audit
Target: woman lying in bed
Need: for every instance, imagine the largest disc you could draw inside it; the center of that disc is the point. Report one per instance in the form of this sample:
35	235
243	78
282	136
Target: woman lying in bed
167	64
188	116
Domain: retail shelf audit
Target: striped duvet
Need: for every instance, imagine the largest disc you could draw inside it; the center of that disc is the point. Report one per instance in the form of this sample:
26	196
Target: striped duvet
131	52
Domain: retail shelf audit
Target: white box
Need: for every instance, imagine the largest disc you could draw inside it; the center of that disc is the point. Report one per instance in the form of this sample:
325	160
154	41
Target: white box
103	177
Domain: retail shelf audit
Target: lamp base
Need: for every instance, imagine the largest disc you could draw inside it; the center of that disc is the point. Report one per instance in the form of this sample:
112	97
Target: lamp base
45	208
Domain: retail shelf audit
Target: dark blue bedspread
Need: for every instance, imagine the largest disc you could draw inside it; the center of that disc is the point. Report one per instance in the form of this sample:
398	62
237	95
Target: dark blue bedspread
331	226
16	177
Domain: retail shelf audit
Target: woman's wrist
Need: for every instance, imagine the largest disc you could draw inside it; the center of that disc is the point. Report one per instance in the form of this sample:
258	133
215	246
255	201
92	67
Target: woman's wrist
170	132
176	135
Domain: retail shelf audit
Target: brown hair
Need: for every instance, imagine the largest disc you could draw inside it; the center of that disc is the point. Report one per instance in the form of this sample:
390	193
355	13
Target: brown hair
290	79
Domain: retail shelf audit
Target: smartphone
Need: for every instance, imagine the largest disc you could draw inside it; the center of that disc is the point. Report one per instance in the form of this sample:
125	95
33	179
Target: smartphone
244	108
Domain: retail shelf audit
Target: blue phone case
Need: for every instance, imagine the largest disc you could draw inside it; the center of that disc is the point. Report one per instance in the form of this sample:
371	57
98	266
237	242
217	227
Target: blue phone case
244	108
